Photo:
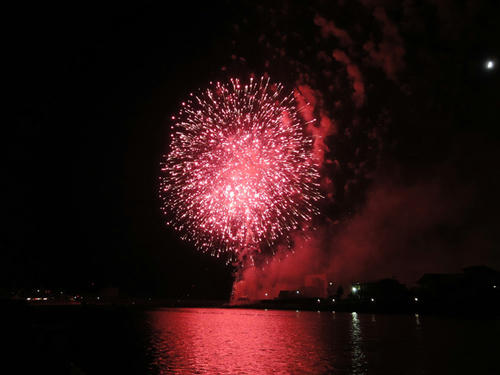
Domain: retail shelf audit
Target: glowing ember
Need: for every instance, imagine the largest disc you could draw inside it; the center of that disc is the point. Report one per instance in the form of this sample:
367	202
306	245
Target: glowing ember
239	175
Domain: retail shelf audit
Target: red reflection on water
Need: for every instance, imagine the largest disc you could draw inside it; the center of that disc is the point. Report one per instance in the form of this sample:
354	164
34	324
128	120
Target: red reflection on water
219	341
234	341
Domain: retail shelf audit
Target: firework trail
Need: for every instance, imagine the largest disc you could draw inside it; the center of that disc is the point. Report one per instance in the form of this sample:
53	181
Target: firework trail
239	175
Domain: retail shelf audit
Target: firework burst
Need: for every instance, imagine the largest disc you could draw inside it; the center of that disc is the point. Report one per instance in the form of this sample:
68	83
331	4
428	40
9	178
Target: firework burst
239	175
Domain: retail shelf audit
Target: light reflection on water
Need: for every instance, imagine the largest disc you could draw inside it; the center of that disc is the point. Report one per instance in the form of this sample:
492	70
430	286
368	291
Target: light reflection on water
358	357
238	341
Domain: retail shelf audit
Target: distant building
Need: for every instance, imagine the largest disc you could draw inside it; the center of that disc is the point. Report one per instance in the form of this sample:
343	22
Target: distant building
481	277
239	294
315	286
290	294
331	289
436	284
475	283
381	291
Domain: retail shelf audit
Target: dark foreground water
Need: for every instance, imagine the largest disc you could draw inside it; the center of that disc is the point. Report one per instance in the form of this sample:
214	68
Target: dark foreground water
237	341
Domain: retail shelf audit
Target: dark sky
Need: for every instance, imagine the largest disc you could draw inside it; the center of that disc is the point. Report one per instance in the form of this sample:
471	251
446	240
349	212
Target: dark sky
90	88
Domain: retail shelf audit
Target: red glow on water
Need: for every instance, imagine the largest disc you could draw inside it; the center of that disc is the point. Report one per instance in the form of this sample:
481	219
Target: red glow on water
218	341
240	172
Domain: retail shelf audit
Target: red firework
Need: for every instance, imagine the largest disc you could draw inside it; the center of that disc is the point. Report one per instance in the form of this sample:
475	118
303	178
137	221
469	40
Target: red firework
239	175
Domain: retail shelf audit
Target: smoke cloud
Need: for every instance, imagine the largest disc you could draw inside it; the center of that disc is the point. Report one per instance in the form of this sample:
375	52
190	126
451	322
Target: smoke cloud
329	28
376	224
354	74
401	232
389	53
309	101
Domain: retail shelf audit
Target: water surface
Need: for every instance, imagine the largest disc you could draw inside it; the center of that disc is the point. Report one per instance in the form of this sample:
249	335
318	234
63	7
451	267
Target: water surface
222	341
239	341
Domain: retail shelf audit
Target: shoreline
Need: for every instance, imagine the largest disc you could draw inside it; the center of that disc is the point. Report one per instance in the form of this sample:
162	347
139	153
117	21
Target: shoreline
312	306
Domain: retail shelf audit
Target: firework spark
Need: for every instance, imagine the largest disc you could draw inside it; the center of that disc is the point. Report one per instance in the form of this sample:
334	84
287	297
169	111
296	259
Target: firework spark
239	175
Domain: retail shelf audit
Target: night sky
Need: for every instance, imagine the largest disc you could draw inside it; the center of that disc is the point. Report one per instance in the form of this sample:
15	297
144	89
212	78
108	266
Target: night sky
410	151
